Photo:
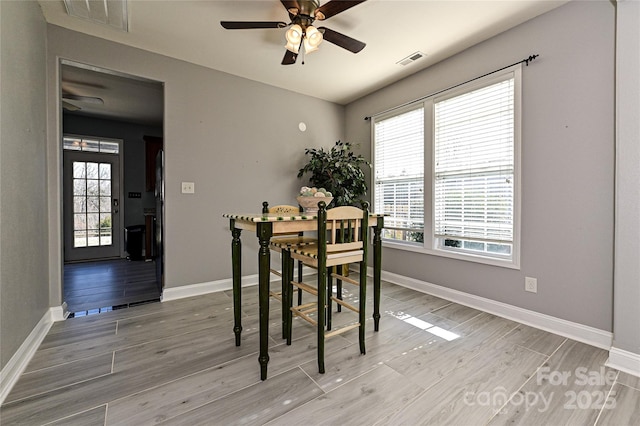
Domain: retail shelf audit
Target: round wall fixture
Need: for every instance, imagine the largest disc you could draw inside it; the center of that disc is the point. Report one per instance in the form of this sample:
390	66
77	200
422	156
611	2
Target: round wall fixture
302	126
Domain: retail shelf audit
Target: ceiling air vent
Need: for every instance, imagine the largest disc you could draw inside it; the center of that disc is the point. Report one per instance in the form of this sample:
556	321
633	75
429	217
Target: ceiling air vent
107	12
411	58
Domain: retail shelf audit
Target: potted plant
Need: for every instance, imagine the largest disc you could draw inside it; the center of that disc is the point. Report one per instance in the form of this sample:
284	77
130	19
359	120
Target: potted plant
339	171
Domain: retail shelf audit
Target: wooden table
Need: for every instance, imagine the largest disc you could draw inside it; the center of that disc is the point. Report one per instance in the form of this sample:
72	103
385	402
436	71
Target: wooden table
266	225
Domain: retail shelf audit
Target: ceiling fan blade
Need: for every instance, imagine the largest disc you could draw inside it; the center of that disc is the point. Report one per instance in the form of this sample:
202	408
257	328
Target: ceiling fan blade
87	99
334	7
247	25
339	39
292	6
68	106
289	58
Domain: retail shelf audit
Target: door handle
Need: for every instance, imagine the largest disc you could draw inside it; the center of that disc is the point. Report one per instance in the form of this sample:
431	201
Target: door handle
115	204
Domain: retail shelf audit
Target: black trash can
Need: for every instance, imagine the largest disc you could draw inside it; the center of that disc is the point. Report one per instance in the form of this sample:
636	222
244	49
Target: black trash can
133	237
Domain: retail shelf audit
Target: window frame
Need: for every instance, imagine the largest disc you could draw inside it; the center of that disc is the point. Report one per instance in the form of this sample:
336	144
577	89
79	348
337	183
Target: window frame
431	243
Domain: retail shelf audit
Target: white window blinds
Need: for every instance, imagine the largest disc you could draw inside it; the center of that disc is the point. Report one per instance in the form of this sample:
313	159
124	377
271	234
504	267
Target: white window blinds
399	173
474	164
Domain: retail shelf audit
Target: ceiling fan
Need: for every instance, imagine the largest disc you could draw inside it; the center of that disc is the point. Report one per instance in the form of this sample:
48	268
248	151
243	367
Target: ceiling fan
301	32
71	106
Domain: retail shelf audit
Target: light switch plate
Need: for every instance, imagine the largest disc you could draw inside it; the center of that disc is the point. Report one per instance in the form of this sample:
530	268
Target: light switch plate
188	187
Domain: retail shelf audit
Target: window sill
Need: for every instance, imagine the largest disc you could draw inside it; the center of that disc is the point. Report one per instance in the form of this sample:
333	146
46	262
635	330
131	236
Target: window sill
502	263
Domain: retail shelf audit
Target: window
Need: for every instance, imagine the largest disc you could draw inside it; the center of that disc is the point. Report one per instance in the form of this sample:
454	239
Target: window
78	143
471	170
399	174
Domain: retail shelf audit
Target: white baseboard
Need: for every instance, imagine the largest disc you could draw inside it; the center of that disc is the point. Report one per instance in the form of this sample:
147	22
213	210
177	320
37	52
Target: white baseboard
18	362
175	293
625	361
582	333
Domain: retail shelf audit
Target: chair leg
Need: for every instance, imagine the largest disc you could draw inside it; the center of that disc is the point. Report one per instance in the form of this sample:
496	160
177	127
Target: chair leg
339	291
322	296
299	280
362	303
288	315
329	294
284	292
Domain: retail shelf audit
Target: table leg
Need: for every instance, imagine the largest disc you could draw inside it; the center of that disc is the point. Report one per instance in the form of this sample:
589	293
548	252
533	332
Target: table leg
285	296
236	261
264	231
377	268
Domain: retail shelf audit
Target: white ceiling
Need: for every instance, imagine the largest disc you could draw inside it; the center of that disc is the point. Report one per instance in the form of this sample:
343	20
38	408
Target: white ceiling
392	29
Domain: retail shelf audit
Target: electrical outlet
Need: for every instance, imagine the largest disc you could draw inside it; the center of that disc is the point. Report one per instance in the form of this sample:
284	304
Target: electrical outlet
531	284
188	187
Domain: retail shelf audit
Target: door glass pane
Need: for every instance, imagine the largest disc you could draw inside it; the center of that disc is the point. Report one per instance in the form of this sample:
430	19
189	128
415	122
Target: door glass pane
92	215
79	170
105	229
109	147
79	238
105	204
93	204
72	144
93	187
105	171
92	170
90	145
79	222
80	187
105	187
79	204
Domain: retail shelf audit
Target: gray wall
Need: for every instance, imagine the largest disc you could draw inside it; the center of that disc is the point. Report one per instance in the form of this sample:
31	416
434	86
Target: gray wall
24	288
133	155
238	140
626	321
567	163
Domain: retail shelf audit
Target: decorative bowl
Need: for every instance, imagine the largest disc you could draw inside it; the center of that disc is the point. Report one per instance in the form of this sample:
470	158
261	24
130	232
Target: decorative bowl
310	204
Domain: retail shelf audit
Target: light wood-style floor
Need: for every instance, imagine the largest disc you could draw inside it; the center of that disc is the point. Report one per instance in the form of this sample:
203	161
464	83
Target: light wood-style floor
433	362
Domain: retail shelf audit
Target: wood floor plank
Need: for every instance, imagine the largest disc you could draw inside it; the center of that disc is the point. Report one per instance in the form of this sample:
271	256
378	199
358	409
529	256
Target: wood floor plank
256	404
629	380
394	338
163	365
466	396
94	417
177	397
457	313
134	332
620	407
535	339
364	400
426	364
48	379
560	382
419	305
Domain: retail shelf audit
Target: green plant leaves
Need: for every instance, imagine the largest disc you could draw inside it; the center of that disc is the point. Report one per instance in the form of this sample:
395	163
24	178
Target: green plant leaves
339	171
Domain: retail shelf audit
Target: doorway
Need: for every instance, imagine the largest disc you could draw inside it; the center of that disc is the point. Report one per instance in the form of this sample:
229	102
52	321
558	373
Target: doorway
111	260
91	191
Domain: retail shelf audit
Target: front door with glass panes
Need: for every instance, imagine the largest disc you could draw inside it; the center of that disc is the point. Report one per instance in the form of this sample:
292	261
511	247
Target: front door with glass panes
91	199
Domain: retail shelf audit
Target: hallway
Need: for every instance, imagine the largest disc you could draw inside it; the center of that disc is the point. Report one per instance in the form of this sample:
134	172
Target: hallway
92	287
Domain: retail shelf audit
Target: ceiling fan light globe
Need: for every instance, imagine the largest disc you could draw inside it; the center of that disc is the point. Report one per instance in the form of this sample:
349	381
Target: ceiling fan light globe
292	47
294	34
312	39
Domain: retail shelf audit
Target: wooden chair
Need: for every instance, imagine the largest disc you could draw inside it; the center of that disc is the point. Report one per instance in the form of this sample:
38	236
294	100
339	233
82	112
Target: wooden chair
342	240
280	242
